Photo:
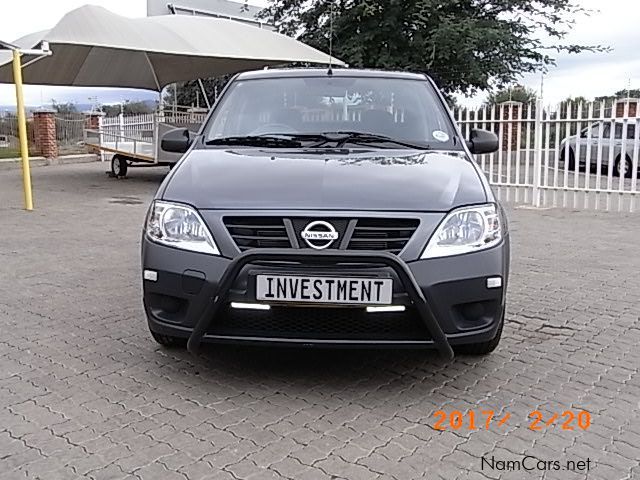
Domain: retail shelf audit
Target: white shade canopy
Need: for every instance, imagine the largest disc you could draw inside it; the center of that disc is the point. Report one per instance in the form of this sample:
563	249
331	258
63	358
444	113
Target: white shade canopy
93	47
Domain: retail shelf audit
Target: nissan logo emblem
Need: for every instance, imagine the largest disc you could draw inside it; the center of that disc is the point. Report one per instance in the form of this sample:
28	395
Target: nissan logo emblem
319	234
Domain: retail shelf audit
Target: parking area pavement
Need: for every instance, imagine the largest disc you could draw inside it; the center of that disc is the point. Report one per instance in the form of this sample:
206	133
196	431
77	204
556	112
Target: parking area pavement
86	393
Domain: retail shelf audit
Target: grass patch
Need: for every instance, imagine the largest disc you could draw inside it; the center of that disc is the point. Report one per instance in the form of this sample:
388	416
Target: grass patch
9	153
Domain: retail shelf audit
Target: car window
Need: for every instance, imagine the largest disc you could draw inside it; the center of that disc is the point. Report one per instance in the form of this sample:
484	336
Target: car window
619	129
631	131
593	131
402	109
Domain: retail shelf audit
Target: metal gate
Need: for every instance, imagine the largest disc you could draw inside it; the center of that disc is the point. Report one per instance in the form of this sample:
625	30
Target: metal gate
573	155
70	132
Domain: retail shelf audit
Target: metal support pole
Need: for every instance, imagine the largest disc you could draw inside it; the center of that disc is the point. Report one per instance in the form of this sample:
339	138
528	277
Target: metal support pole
101	138
40	53
22	131
204	94
537	155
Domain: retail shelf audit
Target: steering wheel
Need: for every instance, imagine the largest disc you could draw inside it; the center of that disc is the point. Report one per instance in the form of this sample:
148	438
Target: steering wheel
273	128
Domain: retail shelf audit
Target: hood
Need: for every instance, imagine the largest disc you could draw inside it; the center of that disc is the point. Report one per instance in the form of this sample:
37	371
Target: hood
275	179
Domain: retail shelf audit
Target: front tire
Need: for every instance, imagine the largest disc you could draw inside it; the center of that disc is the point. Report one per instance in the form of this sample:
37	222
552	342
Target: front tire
623	168
483	348
571	164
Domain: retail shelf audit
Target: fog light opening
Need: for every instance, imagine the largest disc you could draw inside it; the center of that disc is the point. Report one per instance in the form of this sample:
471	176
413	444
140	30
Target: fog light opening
250	306
151	275
494	282
389	308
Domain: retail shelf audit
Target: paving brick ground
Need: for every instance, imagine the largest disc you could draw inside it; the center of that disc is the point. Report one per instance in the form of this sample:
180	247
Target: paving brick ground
86	393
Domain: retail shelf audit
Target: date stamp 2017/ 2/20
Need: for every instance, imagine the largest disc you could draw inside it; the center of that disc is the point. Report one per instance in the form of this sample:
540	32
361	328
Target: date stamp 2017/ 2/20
486	419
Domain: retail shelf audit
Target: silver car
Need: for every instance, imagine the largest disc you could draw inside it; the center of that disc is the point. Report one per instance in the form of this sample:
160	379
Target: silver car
595	142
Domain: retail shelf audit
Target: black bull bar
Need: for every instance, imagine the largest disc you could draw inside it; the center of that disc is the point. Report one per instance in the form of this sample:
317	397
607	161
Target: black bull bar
218	296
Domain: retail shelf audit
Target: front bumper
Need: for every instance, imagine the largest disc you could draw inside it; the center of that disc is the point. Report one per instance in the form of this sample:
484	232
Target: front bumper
447	299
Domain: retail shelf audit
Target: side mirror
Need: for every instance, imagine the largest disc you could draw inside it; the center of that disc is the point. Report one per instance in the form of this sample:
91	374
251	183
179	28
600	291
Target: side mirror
176	141
483	141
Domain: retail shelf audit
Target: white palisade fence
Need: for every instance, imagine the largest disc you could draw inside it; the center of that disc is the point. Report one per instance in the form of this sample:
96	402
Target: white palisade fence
574	155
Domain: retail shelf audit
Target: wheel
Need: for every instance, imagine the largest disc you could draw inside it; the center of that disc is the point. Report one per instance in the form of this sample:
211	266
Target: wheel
571	165
119	166
168	341
623	168
483	348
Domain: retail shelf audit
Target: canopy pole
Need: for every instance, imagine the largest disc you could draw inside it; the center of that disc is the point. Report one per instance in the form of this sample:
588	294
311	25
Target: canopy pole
17	52
22	131
204	94
153	72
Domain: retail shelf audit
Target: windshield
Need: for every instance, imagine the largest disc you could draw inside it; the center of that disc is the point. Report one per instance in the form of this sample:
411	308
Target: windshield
400	109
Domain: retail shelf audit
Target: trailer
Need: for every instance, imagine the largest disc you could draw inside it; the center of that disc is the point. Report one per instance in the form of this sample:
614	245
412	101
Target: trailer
134	140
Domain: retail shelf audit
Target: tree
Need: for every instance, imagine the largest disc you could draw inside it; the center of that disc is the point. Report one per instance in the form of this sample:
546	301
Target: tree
628	93
189	93
466	45
127	108
620	94
517	93
64	108
137	108
112	110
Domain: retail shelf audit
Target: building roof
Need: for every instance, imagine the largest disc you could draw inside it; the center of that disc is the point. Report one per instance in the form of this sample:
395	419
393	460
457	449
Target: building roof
217	7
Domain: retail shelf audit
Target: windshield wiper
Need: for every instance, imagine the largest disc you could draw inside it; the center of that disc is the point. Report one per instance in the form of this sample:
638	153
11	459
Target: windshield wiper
294	140
257	141
362	137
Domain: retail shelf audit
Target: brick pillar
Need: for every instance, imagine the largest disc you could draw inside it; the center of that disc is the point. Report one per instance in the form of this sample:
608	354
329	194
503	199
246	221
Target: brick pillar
93	121
510	111
44	127
621	105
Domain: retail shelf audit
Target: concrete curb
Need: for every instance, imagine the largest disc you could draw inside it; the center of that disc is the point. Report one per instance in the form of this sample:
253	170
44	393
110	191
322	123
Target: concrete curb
13	163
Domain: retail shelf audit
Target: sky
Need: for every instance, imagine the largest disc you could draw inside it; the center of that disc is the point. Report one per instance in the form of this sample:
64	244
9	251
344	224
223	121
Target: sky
614	24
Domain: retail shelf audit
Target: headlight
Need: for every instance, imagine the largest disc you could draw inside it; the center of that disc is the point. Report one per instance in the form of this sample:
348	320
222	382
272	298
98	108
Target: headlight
179	226
465	230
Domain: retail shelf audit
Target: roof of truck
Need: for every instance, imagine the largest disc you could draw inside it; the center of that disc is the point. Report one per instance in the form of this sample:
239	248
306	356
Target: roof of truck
336	72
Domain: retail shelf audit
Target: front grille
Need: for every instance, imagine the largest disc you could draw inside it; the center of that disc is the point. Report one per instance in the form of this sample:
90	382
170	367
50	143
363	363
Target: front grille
382	234
320	324
378	234
257	232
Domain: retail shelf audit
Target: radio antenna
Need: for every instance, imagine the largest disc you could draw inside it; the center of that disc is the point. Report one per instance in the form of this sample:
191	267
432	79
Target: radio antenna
330	71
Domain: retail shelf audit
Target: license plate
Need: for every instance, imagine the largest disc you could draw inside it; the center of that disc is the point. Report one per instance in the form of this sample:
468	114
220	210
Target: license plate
328	290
